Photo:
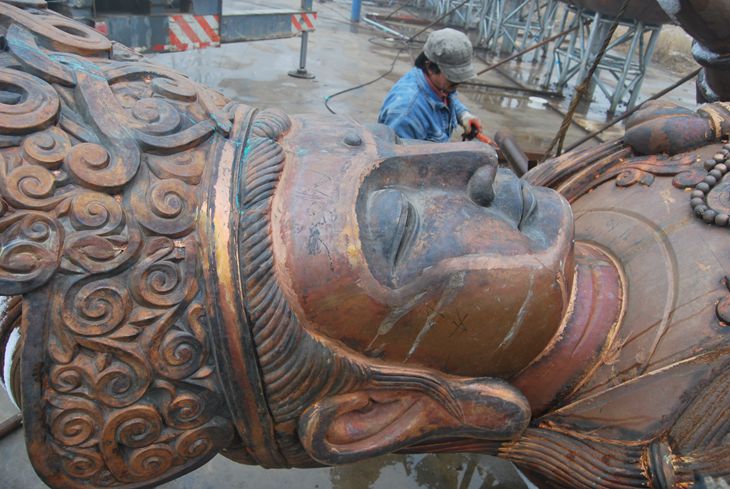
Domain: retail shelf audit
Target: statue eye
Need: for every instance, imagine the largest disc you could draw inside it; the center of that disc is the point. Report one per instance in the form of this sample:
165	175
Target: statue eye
393	223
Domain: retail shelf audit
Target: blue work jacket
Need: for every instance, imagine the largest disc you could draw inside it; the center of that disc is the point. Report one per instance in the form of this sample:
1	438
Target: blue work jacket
414	111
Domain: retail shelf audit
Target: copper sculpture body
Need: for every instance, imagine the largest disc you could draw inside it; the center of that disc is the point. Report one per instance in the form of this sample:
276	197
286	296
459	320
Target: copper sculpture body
191	275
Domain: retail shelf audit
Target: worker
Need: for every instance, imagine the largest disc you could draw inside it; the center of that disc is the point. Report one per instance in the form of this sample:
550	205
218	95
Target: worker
423	104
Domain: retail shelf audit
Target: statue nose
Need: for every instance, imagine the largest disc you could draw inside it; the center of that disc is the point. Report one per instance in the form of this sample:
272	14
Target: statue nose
481	186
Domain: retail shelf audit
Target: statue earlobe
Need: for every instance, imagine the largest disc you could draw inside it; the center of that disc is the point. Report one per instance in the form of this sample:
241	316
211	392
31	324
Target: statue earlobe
350	427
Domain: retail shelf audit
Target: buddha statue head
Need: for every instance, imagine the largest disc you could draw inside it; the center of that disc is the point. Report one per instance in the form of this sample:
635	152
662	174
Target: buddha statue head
196	275
191	276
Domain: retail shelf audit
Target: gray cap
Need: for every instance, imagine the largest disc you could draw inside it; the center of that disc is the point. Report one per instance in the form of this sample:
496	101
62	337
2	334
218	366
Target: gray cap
451	50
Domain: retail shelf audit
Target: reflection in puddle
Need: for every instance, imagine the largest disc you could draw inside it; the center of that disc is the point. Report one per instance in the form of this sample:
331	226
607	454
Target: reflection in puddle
431	471
537	103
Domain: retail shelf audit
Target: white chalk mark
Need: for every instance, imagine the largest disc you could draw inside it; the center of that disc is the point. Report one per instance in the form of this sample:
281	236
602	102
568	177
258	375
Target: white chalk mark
395	315
520	319
456	282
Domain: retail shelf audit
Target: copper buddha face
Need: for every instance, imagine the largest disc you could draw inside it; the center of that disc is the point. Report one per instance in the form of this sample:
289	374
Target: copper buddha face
397	250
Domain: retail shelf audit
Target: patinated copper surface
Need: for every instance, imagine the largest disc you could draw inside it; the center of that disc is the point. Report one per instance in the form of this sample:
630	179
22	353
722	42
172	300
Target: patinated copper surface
191	275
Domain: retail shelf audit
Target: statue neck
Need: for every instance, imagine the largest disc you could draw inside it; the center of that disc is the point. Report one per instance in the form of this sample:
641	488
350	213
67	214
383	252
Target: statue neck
593	315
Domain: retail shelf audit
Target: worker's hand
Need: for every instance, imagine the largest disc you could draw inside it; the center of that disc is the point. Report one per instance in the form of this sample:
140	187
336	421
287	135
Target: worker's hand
470	123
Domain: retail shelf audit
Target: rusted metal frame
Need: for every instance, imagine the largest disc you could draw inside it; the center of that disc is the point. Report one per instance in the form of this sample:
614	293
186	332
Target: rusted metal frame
586	76
548	23
439	19
621	68
645	57
621	80
10	425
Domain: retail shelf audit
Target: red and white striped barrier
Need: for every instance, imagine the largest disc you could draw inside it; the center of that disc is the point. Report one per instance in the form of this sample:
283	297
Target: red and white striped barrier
303	21
191	32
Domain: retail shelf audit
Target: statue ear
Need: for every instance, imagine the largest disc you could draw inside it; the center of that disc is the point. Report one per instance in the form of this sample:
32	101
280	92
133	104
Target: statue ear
350	427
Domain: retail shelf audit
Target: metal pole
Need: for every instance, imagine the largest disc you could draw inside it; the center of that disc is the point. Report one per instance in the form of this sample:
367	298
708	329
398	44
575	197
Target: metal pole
563	76
302	72
618	94
595	40
554	55
384	28
10	425
356	10
644	64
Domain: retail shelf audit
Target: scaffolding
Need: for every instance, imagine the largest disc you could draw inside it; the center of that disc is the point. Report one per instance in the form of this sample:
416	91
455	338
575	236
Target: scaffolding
462	16
507	26
504	27
623	66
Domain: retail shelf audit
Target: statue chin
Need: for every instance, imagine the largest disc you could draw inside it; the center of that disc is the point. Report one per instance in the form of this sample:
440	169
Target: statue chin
190	276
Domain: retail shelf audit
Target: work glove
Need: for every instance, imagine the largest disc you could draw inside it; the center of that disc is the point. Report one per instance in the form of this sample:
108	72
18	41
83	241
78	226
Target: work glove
470	123
473	129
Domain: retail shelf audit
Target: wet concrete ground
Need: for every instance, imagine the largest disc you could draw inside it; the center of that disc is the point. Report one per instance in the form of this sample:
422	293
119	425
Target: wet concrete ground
342	55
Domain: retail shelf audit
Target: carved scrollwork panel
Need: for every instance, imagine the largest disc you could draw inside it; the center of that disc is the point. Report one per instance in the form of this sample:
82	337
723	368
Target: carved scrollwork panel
97	307
173	86
101	241
143	356
187	167
35	109
22	45
113	165
31	187
30	246
121	388
155	116
165	277
167	209
57	31
47	148
181	351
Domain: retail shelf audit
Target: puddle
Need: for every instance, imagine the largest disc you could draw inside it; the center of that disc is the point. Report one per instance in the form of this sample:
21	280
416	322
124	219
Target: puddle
429	471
